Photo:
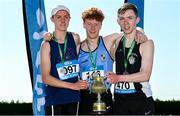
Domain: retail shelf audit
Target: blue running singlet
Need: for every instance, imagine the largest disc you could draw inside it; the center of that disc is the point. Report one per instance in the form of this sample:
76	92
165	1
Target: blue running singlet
54	95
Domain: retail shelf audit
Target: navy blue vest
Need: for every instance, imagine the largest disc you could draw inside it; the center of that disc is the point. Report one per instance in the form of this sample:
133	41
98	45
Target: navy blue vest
56	95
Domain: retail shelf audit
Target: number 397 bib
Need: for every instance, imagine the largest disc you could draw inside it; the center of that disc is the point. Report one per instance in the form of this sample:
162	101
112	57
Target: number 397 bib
69	69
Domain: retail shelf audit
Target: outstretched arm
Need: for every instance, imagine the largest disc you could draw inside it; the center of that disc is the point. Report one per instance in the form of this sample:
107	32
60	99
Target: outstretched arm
109	41
77	41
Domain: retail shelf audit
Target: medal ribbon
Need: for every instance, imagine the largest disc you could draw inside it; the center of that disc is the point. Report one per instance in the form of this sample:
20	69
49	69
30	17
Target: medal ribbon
93	61
129	52
62	56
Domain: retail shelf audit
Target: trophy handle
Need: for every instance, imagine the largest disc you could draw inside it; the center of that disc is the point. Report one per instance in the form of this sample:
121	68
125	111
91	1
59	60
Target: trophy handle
106	83
90	81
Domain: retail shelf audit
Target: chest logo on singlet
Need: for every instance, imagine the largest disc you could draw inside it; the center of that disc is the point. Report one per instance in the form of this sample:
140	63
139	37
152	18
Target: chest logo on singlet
103	57
68	69
132	58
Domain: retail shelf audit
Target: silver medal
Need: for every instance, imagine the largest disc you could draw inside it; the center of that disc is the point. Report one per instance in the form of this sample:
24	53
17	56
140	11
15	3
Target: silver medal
131	60
62	71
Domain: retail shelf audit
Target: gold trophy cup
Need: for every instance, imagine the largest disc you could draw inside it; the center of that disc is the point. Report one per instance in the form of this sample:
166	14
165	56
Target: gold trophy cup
98	88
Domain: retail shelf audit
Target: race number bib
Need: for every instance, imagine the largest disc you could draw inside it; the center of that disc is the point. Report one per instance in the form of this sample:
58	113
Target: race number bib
69	69
89	72
124	88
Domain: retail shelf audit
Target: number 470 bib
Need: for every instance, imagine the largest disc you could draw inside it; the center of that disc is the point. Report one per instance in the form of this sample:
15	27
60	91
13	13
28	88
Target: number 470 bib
69	69
124	88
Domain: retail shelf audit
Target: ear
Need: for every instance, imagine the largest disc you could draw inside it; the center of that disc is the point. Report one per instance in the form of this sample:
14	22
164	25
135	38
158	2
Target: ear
52	19
137	20
100	26
118	21
84	26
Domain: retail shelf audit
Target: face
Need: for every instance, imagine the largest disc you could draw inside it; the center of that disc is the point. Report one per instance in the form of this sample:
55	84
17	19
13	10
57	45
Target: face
61	20
128	21
92	28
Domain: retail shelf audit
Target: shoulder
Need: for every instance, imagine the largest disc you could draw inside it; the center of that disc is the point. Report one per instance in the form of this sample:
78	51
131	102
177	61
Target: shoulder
45	46
76	38
147	45
75	35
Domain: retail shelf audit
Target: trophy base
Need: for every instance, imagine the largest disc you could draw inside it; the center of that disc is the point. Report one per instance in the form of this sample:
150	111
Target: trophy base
99	113
99	107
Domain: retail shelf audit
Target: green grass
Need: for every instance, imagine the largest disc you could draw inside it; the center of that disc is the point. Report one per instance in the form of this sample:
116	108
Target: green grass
16	108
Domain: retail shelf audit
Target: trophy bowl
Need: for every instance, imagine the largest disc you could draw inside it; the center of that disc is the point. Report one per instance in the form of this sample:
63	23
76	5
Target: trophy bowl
98	88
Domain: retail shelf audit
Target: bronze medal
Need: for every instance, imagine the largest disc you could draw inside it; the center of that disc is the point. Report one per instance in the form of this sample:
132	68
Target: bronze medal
125	72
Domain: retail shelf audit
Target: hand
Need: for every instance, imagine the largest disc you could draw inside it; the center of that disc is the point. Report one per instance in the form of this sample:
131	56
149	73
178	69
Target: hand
81	84
47	36
112	77
140	37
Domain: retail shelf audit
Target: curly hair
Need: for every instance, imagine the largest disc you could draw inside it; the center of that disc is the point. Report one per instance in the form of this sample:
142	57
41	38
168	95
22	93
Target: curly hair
93	13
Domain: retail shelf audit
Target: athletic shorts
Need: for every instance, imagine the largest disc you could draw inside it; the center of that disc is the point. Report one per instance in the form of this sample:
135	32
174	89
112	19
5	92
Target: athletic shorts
128	105
62	109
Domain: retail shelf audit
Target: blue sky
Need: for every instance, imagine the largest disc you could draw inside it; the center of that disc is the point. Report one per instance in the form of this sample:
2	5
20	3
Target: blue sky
161	24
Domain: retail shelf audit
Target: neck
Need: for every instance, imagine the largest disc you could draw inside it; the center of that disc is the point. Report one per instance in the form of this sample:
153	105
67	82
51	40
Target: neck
92	43
131	36
60	35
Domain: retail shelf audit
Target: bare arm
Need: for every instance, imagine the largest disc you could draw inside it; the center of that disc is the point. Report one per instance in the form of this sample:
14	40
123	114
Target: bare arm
77	41
109	42
110	39
50	80
147	53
